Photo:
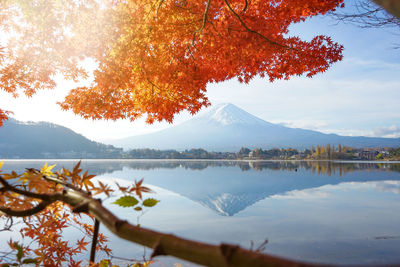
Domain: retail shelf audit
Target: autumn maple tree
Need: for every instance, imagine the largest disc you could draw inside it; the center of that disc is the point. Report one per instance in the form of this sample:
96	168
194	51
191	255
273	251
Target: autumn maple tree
154	58
131	58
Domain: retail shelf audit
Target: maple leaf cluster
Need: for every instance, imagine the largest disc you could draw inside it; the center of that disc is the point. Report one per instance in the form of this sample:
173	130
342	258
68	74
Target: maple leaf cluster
4	116
32	195
155	58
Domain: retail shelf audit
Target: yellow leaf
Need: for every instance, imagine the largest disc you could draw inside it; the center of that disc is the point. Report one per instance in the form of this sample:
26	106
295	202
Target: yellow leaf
46	170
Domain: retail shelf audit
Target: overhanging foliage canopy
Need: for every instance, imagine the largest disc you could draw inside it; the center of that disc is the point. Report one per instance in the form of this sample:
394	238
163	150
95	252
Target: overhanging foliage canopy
154	58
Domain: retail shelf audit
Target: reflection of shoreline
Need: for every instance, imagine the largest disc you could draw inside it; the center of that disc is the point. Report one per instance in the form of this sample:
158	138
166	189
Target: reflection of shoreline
210	160
228	187
103	166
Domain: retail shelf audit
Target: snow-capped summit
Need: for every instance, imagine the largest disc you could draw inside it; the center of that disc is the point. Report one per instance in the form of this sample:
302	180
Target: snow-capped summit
227	114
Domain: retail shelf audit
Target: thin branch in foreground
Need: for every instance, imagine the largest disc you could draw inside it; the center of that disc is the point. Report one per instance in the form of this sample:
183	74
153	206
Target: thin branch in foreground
24	213
94	240
55	180
8	187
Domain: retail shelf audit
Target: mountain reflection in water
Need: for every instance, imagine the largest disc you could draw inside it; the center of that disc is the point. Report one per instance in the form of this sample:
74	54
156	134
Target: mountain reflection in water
222	188
317	211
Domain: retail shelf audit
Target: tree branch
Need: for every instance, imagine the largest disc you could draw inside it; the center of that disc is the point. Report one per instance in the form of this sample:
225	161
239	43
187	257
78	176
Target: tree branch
8	224
367	14
245	6
204	16
61	182
255	32
24	213
392	6
167	244
8	187
204	21
94	240
162	244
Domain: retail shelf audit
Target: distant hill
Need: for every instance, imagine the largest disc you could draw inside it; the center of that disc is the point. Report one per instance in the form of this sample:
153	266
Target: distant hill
47	140
228	128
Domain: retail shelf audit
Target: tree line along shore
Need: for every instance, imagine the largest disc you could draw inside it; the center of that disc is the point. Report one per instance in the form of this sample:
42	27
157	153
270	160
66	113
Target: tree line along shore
326	152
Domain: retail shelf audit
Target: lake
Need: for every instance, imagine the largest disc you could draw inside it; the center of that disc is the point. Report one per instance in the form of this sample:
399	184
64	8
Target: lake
314	211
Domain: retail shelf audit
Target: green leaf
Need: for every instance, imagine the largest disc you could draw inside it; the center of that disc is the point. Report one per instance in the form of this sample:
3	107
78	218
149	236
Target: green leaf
30	261
126	201
150	202
20	252
104	263
138	208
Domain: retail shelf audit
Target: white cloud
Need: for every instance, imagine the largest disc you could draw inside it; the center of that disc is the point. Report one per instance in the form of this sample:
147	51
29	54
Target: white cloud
310	124
376	64
392	131
303	194
388	186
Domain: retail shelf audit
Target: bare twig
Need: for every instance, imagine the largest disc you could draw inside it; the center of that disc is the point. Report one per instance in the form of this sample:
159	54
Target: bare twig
367	14
245	6
8	224
129	260
262	246
153	84
392	6
94	240
61	182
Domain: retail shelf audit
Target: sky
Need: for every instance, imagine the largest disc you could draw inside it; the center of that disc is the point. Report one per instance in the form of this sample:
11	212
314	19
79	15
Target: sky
357	96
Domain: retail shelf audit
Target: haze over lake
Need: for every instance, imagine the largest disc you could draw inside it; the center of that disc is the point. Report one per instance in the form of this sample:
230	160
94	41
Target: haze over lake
325	212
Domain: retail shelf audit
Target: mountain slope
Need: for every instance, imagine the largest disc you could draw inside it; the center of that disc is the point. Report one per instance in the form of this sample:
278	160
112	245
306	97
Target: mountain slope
228	128
47	140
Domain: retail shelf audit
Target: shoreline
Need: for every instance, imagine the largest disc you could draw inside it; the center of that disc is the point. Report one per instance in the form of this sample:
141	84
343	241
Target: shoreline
207	160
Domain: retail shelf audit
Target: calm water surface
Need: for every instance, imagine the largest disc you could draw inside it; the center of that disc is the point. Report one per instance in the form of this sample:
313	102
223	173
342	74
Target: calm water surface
325	212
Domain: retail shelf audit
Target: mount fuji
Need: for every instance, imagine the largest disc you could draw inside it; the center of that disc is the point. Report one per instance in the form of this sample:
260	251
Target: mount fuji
226	127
